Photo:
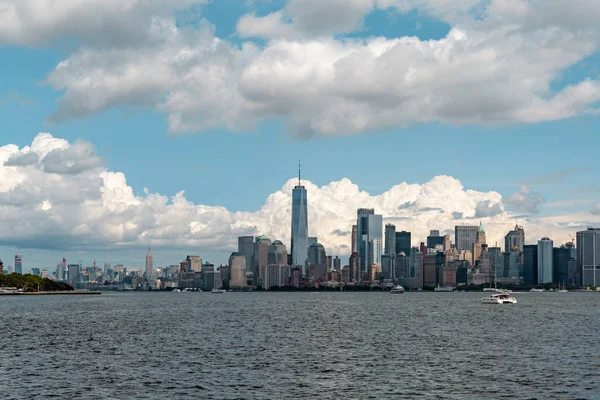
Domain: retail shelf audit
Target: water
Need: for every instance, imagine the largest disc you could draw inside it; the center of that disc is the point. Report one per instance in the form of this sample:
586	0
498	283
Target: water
299	345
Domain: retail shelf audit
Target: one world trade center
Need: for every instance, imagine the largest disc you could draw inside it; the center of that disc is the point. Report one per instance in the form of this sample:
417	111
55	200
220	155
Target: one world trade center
299	225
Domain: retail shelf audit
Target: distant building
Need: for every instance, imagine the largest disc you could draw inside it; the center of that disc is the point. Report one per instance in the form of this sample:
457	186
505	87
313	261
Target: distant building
388	265
354	238
237	270
434	239
515	239
588	256
317	260
464	237
312	240
447	243
277	253
194	263
565	265
355	268
149	266
480	240
545	260
346	274
370	237
18	264
73	273
36	271
512	265
403	242
390	239
530	264
246	248
337	263
261	257
299	236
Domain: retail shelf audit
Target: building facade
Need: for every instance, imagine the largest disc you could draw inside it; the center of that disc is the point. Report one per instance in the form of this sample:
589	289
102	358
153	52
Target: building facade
515	239
370	238
545	260
403	242
588	256
390	239
18	264
299	248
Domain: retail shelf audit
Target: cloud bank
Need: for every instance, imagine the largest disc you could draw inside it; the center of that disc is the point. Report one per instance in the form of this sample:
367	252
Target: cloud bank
498	64
59	195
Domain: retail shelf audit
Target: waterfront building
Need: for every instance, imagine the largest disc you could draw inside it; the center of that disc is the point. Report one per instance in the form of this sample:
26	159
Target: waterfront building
285	273
237	270
277	253
388	265
390	239
403	242
565	264
370	237
588	256
317	254
355	267
346	274
354	238
296	276
401	266
18	264
512	265
430	276
261	257
464	237
246	248
210	278
530	264
515	239
271	277
545	260
73	273
299	237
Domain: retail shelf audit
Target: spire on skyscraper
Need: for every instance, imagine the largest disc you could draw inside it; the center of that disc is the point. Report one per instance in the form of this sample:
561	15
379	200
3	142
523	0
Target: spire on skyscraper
299	180
480	229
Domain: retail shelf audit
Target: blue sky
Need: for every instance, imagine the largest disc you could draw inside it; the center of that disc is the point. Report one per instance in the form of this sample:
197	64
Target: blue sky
554	156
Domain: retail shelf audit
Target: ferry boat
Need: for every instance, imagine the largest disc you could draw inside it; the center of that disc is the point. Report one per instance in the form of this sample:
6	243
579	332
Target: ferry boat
397	289
499	298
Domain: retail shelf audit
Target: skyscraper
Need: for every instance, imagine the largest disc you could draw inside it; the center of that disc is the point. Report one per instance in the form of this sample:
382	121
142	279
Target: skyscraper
403	242
370	238
464	237
261	257
246	248
149	266
237	270
354	238
565	264
530	264
277	253
514	239
545	260
18	264
434	239
354	267
194	263
480	240
588	256
299	225
390	240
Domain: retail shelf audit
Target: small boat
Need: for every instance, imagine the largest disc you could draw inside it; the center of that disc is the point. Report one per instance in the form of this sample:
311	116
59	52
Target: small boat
397	289
499	298
536	290
443	289
176	290
218	291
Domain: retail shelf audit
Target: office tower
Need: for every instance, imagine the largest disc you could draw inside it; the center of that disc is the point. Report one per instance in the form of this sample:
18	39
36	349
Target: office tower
299	225
416	266
588	256
514	239
329	263
246	248
402	266
355	267
447	243
149	265
18	264
479	242
261	257
346	274
317	254
464	237
545	261
210	278
565	264
430	276
277	254
403	242
194	263
370	238
530	264
73	273
512	265
496	260
354	238
312	240
434	240
390	240
337	263
388	265
237	270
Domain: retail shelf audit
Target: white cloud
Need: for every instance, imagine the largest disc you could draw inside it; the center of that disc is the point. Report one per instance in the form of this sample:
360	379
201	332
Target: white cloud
596	209
526	200
97	209
495	69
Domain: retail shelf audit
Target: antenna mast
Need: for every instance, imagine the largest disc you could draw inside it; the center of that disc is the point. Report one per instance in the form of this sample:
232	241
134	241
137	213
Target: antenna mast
299	180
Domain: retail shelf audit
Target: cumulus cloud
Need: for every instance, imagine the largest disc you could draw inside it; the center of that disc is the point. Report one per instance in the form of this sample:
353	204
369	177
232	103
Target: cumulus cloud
496	65
95	208
526	200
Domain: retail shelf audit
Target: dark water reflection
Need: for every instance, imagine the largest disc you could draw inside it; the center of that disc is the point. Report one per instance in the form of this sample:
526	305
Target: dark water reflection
300	345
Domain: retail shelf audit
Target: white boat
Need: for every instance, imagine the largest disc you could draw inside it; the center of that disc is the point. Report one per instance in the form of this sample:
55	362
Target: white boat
443	289
499	298
397	289
218	291
176	290
536	290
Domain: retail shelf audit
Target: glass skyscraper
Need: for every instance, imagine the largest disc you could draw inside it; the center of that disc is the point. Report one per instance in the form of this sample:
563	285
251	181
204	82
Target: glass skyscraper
299	226
545	260
370	237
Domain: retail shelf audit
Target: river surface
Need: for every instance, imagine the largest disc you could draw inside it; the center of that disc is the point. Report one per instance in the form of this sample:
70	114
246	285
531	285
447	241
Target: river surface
299	345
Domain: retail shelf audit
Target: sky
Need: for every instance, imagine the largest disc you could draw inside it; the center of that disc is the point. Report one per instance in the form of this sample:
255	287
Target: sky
179	125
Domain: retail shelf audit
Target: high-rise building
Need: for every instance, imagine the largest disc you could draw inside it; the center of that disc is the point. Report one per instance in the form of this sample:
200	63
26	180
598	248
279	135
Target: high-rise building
317	254
403	242
390	240
194	263
370	238
464	237
246	248
329	263
434	240
354	238
565	264
447	243
299	225
337	263
36	271
261	257
237	270
312	240
588	256
149	266
480	240
354	266
388	265
277	253
18	264
530	264
514	239
73	273
545	260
